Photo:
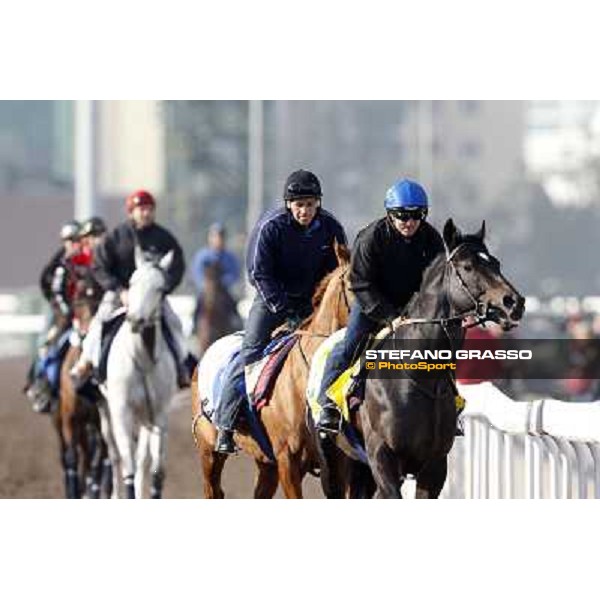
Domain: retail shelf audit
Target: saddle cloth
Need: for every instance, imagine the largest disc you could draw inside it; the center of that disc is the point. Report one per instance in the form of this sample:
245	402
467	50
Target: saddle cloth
223	358
349	441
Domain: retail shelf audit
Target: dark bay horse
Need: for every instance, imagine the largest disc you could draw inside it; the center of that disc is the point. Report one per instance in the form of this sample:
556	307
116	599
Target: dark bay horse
285	416
409	422
216	313
84	453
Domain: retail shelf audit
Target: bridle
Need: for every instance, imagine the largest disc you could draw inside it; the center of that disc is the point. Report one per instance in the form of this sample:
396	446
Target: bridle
155	316
477	310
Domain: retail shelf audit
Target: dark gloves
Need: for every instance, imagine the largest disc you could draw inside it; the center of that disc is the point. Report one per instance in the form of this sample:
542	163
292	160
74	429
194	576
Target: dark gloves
292	319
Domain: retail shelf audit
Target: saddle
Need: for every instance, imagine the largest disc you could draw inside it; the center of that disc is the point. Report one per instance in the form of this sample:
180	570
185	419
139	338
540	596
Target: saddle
261	385
111	327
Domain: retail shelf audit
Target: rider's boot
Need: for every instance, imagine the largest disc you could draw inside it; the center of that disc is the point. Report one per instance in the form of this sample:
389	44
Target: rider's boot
225	443
330	418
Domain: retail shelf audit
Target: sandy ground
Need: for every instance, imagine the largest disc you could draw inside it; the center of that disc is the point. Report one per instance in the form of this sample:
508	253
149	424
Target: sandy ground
29	457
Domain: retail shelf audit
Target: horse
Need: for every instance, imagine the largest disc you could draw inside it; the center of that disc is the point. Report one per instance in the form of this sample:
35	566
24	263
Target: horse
409	422
140	381
284	418
216	313
84	451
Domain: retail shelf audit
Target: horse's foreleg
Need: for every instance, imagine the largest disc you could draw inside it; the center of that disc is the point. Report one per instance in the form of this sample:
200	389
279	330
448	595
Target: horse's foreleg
95	454
158	455
141	459
70	456
110	467
386	468
267	480
290	474
431	479
123	428
360	480
331	465
212	469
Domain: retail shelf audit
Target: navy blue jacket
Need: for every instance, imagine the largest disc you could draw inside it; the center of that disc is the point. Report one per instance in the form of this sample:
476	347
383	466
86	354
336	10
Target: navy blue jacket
286	261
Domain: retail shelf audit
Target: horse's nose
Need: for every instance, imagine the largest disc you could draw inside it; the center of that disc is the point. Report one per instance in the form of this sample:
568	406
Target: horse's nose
519	309
508	301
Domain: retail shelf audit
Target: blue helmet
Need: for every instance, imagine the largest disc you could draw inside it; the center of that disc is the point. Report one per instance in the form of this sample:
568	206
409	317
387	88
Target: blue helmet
406	194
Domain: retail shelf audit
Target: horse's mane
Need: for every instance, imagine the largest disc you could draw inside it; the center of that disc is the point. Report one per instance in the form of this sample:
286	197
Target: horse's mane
343	255
321	288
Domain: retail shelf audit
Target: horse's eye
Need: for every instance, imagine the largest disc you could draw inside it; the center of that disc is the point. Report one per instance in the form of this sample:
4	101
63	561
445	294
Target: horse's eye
468	267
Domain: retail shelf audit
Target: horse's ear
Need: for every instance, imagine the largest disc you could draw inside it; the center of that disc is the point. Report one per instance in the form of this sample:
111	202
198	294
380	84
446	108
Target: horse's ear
166	261
452	234
342	253
140	259
481	233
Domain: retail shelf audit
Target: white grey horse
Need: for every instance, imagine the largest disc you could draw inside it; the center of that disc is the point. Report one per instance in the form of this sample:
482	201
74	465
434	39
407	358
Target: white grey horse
141	380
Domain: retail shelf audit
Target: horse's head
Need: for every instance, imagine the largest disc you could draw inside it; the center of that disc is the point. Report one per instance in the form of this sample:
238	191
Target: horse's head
475	281
332	298
146	290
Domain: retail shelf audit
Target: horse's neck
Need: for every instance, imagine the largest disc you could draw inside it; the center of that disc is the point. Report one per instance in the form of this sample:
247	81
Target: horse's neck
327	319
431	302
140	351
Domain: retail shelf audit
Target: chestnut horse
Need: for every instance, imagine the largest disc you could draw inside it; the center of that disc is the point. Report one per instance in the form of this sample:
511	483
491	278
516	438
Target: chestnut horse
84	453
284	418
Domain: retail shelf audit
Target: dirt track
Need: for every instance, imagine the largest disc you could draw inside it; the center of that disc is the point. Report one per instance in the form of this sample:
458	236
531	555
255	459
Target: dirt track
29	463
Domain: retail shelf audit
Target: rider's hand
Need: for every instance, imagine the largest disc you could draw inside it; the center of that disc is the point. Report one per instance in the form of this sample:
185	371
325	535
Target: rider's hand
124	296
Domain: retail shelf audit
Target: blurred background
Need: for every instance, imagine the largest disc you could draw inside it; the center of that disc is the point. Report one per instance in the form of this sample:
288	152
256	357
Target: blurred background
531	169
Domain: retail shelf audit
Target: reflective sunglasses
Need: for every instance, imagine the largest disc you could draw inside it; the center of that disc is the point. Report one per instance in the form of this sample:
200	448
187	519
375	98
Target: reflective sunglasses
405	214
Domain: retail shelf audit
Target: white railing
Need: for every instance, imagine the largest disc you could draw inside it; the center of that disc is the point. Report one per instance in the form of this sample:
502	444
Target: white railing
535	449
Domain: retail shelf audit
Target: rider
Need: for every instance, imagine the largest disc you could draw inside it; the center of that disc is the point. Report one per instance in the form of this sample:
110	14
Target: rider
214	253
69	235
388	261
289	251
57	282
92	233
113	266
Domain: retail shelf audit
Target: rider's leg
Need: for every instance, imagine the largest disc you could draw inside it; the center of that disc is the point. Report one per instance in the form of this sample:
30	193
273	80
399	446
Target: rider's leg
92	343
342	356
259	327
177	344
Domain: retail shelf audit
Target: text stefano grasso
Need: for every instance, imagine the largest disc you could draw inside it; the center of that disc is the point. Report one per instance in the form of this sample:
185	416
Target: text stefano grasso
497	354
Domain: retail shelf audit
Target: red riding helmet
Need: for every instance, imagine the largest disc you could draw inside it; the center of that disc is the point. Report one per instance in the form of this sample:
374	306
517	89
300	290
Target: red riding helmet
140	198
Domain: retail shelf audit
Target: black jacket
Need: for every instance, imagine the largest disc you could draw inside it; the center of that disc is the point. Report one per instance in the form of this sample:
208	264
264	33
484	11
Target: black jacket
386	268
47	275
115	257
286	261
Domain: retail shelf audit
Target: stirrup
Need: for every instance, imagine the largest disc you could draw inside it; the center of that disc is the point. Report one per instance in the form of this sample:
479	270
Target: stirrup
225	448
327	427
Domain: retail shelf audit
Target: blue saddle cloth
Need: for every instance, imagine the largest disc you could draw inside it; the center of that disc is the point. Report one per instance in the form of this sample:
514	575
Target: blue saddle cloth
278	350
49	366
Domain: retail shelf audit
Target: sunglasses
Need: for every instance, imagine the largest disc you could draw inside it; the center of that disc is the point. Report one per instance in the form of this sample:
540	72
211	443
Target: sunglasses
404	214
